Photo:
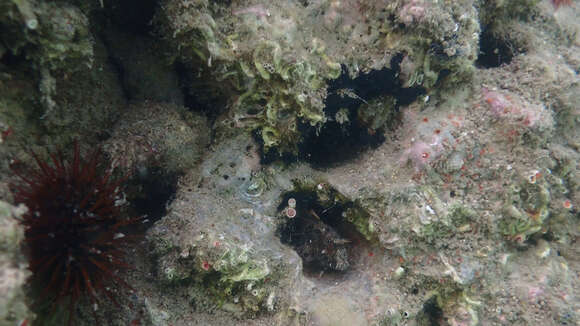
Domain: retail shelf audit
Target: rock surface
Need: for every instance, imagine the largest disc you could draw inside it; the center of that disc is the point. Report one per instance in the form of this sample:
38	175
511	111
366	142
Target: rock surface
407	162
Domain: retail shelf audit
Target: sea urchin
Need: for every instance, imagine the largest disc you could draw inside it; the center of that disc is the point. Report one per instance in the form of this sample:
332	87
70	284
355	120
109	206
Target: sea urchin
75	232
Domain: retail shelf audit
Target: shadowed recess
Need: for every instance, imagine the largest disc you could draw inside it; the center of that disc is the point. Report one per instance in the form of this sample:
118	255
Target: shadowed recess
431	314
150	191
494	51
345	135
132	15
323	227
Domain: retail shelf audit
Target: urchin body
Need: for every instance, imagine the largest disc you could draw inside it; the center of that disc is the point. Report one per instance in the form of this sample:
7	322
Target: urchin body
74	229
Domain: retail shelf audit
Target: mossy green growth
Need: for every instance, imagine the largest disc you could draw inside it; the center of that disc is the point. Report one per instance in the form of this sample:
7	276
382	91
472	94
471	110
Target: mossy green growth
441	64
275	82
240	298
235	265
426	74
460	215
235	275
459	218
496	13
278	96
429	75
67	41
365	227
52	36
360	218
525	211
398	318
19	21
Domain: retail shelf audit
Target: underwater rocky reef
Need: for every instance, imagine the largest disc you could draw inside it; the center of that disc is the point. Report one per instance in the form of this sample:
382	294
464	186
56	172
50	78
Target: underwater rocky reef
289	162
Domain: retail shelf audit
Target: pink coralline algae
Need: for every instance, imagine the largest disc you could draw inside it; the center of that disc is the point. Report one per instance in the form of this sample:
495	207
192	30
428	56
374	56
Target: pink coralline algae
420	154
412	11
504	106
257	10
425	140
559	3
499	104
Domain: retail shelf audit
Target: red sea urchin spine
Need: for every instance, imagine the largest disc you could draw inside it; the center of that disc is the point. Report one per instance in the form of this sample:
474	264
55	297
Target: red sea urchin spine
74	229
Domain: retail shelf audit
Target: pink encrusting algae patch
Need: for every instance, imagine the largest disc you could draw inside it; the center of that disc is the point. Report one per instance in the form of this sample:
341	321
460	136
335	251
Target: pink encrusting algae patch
257	10
514	109
426	139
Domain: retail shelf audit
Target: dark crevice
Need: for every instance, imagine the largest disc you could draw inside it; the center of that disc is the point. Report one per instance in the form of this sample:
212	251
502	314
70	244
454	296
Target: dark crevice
119	70
200	95
431	314
125	28
150	191
132	15
12	60
494	51
338	142
442	75
319	229
335	143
